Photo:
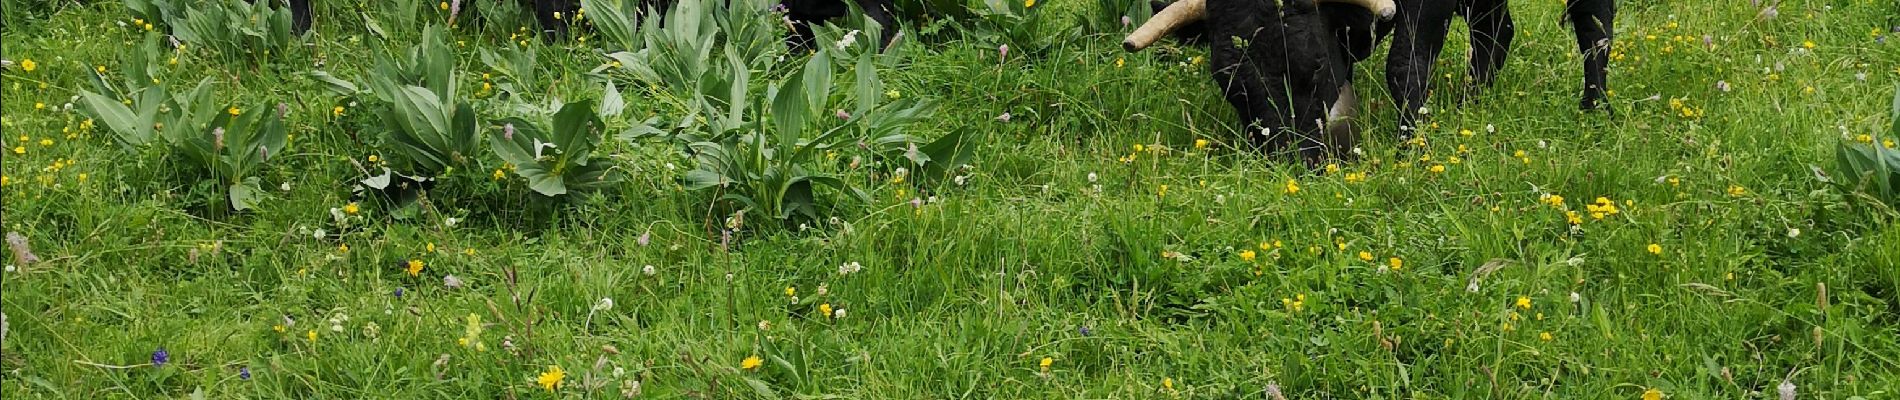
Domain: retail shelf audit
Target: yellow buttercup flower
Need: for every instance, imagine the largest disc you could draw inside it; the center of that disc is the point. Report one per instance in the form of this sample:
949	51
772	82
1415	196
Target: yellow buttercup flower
234	111
1365	256
751	363
1396	263
28	65
1029	3
1046	362
1292	186
1652	394
1247	255
351	208
1655	248
1523	302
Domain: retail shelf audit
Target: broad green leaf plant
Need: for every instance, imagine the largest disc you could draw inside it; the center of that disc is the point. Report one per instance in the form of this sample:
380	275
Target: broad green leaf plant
770	169
429	128
1871	171
557	158
237	29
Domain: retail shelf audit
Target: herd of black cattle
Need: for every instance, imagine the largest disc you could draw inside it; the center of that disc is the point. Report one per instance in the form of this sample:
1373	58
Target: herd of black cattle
1284	65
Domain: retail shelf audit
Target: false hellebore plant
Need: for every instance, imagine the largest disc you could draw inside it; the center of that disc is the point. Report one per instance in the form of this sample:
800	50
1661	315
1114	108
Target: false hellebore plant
557	158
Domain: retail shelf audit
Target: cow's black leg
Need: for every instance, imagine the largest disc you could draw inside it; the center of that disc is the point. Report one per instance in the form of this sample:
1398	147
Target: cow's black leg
1420	36
300	16
1594	21
1491	33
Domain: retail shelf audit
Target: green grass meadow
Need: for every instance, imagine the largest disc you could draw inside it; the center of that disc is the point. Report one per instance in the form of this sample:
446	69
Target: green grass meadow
1112	237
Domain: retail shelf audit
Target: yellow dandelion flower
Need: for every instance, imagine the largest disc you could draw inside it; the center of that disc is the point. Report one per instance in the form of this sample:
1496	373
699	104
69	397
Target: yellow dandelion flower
1652	394
1118	62
429	247
1807	44
1167	383
28	65
1523	302
1292	187
336	111
444	6
825	309
311	335
1029	3
1396	263
751	363
234	111
1655	248
1199	143
1247	255
351	208
415	267
550	379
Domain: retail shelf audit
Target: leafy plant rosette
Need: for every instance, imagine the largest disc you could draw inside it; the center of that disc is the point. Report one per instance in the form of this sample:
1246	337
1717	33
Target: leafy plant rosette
429	131
771	169
1869	170
557	158
227	145
237	29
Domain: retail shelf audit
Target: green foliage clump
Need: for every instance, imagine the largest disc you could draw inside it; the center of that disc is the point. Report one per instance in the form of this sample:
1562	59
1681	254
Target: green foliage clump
558	158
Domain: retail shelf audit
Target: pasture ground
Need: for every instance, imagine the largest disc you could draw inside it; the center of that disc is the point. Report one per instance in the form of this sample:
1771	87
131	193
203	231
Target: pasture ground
1093	250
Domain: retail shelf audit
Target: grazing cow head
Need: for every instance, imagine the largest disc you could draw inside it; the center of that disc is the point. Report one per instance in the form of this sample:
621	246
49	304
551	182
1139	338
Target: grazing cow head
1281	63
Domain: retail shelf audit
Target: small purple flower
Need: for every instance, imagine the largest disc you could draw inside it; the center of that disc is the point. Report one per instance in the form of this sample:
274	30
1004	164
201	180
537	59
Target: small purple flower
508	132
398	292
1085	331
244	373
455	7
916	203
1002	52
645	237
160	357
780	8
283	110
1126	21
843	115
1708	41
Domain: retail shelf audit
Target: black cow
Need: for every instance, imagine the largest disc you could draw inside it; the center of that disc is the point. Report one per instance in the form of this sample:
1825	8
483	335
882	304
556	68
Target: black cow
1285	65
801	14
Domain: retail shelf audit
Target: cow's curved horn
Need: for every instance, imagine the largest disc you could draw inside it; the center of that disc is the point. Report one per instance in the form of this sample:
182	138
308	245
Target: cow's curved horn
1180	13
1385	9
